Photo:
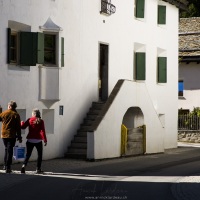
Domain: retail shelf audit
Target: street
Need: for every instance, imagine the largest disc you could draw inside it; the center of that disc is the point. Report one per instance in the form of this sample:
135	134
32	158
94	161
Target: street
155	177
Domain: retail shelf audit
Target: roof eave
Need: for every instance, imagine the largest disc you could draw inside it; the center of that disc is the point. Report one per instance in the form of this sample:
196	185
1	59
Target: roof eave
181	4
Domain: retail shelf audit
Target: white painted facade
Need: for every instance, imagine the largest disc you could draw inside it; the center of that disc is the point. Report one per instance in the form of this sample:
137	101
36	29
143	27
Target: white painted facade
75	86
189	73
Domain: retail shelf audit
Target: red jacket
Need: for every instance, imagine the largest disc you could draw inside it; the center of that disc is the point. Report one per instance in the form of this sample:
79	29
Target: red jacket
36	131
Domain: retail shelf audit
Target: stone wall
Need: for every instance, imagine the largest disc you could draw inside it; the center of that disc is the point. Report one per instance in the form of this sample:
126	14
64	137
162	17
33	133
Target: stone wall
189	136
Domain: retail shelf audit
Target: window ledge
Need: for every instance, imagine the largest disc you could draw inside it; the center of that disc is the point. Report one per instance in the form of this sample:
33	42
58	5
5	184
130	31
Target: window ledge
181	98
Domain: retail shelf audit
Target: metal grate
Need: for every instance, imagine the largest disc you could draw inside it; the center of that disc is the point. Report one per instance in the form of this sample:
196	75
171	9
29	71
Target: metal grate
188	122
107	7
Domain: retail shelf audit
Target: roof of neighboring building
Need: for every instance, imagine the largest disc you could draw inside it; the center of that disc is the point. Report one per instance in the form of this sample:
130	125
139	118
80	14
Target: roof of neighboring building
189	38
181	4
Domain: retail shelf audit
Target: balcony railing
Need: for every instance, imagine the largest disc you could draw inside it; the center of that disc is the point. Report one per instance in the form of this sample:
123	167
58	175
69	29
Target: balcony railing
107	8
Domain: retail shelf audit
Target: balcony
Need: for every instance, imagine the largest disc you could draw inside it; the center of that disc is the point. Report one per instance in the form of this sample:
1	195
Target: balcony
107	8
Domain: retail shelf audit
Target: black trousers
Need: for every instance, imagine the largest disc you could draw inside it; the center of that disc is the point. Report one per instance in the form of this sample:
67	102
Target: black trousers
29	149
9	143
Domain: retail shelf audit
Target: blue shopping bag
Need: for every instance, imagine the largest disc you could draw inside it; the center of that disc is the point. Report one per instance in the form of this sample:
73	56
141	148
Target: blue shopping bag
19	153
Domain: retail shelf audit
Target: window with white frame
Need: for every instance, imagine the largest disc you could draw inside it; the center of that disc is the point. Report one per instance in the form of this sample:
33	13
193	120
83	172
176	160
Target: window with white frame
161	14
30	48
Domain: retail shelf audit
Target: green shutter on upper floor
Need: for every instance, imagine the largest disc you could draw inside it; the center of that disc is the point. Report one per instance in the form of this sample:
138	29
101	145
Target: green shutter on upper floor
140	4
161	14
40	48
62	52
162	69
28	48
140	65
9	44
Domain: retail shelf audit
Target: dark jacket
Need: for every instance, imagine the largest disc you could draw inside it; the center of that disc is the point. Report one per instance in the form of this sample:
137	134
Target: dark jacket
11	124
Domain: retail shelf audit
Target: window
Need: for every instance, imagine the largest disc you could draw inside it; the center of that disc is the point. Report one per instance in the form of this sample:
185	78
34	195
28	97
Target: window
180	88
139	11
162	69
33	48
161	14
49	49
140	65
13	45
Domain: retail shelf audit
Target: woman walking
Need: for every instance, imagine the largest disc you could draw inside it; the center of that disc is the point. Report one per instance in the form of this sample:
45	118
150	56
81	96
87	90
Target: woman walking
34	138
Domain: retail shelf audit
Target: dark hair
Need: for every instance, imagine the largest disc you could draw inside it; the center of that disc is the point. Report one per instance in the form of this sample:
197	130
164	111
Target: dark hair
12	104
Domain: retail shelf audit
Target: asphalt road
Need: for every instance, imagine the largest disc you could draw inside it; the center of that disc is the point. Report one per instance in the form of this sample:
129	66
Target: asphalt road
150	177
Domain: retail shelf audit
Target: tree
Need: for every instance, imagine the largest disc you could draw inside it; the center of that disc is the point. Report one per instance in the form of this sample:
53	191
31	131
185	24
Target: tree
193	9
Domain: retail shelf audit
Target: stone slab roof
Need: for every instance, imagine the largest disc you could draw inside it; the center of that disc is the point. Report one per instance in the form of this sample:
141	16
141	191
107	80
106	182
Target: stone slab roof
189	37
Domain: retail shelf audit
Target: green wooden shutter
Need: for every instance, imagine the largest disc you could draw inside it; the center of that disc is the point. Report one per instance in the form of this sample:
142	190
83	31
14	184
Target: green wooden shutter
161	14
28	48
140	65
62	52
8	44
162	69
40	48
140	8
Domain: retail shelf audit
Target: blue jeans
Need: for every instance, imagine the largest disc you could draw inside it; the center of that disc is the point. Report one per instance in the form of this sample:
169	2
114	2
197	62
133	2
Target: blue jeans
29	149
9	143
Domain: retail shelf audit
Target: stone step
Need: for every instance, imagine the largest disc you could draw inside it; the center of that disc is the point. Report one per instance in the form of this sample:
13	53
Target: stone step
85	128
79	145
79	139
81	133
76	155
93	112
77	150
91	116
88	122
97	105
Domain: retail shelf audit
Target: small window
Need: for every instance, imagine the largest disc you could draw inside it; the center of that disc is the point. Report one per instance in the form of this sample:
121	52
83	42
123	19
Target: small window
139	8
180	88
12	47
162	69
33	48
161	14
140	65
49	49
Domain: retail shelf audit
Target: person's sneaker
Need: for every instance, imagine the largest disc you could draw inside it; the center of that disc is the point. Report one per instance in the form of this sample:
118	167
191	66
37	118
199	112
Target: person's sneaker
23	170
8	171
39	171
4	167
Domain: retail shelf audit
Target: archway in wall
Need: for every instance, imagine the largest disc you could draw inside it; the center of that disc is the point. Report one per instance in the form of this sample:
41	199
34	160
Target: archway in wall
133	132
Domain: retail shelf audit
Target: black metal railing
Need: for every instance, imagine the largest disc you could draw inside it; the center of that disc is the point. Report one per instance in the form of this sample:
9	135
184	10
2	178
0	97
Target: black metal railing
107	7
188	122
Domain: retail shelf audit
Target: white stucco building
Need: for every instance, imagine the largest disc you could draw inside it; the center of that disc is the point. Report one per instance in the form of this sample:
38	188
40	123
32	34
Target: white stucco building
60	56
189	56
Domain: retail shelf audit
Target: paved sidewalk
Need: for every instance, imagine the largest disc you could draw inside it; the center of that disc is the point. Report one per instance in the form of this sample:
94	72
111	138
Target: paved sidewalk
184	188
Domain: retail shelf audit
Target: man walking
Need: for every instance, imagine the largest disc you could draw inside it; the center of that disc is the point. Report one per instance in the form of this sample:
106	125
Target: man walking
10	131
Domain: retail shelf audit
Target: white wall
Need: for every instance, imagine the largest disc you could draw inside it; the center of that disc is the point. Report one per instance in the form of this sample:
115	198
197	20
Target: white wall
106	142
83	29
190	74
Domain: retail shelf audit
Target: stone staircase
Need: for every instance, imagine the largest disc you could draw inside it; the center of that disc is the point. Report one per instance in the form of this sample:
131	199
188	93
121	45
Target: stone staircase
78	147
